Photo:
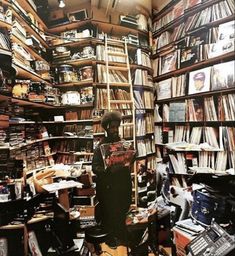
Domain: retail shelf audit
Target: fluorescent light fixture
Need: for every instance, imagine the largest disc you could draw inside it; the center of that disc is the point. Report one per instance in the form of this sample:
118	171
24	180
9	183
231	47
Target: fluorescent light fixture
61	3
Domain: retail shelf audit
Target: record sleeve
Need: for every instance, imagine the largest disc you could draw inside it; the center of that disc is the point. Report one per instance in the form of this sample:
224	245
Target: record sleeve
117	153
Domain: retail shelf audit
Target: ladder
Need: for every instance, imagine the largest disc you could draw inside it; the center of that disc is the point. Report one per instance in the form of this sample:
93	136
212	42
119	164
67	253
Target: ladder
118	77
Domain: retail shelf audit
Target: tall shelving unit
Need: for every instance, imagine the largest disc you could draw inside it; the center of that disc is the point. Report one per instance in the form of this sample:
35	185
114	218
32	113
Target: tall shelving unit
174	84
54	90
71	48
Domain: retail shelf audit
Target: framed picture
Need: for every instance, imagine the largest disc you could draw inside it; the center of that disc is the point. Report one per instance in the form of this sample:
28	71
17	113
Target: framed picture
78	15
199	81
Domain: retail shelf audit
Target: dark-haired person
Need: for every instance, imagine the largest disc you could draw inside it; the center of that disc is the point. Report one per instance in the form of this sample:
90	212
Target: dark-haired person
113	185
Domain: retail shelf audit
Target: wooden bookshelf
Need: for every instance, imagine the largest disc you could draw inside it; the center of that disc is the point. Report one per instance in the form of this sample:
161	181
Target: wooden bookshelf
68	26
28	8
201	64
30	29
29	49
213	102
5	25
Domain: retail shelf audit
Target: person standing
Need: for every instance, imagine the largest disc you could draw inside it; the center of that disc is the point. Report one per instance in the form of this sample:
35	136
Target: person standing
113	185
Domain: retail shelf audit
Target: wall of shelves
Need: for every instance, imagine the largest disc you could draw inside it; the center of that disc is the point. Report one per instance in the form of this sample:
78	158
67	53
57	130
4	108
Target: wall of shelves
174	92
36	112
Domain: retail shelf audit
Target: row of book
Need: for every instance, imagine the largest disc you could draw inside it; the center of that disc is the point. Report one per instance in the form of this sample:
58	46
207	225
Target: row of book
5	41
217	77
22	57
115	94
142	77
221	108
215	162
73	145
71	159
145	147
144	125
101	53
197	138
126	131
144	99
214	12
115	76
184	38
171	87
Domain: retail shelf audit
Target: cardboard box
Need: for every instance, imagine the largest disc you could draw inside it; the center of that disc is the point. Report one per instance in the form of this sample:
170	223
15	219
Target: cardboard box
86	211
84	200
181	239
84	191
4	121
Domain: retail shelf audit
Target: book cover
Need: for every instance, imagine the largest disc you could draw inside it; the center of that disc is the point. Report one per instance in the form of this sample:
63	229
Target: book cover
188	56
169	62
117	153
222	76
195	110
191	3
178	9
199	81
164	89
33	244
227	31
177	112
220	48
3	246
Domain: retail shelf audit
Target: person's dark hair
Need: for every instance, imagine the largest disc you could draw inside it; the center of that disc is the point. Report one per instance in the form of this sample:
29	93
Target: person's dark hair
108	117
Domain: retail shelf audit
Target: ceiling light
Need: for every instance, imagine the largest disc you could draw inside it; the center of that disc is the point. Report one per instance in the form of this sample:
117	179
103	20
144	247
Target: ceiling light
61	3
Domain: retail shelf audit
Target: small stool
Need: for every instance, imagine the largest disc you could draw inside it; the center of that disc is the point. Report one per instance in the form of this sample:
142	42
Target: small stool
96	235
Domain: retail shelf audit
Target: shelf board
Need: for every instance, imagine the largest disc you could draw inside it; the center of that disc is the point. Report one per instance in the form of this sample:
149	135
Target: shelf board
113	84
198	65
75	153
46	139
78	42
87	105
143	87
23	102
136	66
28	74
5	25
197	95
50	122
75	84
68	26
68	121
78	62
21	122
108	27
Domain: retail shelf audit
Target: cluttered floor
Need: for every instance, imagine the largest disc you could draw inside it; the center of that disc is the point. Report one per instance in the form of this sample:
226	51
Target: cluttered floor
122	251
